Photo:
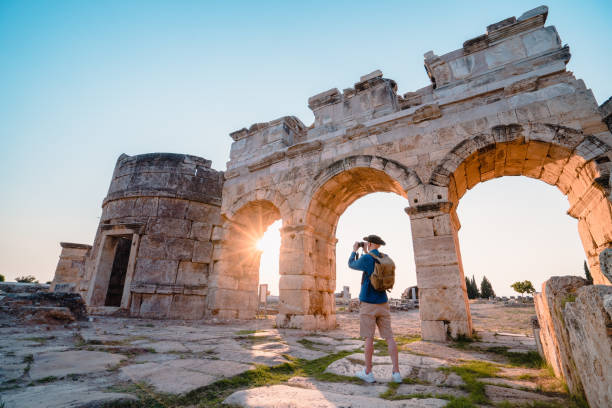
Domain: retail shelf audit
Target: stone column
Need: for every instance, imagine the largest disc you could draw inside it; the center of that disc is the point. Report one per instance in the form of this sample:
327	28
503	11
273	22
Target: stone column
304	289
443	301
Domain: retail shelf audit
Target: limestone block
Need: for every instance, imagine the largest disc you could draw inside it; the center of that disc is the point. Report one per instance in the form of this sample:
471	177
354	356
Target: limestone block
290	321
422	227
542	40
548	339
297	282
458	328
294	301
558	291
588	321
201	231
202	212
442	225
155	270
187	307
179	249
435	251
444	303
146	206
155	306
433	330
219	298
202	252
172	208
169	227
432	277
152	247
192	273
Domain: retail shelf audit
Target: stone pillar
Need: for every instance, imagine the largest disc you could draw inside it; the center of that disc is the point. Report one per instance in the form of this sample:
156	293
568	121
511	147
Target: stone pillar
443	301
70	270
306	291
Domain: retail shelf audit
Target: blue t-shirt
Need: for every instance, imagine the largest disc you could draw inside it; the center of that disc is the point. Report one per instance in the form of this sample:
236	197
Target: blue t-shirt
365	264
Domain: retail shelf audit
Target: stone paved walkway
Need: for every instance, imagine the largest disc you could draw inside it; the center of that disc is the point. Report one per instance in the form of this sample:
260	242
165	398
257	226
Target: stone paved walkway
118	359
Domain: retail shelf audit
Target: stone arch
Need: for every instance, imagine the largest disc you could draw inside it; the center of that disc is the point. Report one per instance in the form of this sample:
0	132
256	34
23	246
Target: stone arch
234	281
308	251
272	196
577	164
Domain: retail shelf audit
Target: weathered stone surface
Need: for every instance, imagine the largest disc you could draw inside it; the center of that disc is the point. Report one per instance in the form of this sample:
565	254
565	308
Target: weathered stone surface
589	323
182	375
559	290
60	364
283	396
500	394
62	396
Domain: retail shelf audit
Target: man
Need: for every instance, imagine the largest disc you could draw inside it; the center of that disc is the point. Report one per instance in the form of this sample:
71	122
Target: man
374	309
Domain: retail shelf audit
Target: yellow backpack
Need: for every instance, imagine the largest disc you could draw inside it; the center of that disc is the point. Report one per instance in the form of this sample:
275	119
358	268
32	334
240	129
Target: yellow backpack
383	276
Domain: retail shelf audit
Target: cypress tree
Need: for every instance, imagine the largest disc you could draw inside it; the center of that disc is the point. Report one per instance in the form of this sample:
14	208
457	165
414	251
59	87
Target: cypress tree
587	273
475	287
486	289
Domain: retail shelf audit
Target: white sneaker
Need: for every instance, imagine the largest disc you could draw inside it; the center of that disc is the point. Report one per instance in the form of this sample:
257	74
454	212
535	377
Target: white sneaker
365	377
396	377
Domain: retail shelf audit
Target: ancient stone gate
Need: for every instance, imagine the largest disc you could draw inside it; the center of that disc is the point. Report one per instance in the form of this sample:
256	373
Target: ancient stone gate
502	105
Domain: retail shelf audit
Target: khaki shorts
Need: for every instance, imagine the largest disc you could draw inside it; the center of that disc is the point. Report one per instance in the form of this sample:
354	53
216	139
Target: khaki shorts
372	315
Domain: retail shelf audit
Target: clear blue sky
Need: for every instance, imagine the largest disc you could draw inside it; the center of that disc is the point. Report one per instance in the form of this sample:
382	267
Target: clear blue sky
84	81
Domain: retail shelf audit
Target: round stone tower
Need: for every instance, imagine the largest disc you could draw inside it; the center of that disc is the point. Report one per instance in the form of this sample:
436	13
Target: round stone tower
153	248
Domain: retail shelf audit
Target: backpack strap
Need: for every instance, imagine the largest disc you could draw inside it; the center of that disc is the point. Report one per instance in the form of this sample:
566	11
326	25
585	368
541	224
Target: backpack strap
378	258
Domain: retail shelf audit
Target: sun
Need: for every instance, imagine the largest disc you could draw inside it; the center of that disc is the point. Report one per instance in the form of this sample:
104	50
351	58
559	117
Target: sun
260	244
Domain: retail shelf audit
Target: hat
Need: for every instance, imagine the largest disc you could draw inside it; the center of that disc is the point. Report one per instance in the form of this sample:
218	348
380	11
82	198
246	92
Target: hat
374	239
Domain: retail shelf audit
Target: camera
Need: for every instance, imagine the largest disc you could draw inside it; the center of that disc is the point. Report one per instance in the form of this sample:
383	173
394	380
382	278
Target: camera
362	244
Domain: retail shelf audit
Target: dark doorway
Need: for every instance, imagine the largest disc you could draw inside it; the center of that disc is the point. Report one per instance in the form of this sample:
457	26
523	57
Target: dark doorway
117	278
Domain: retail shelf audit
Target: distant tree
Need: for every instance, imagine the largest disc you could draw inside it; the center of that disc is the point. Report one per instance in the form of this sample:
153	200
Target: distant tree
486	289
26	279
523	287
475	287
1	277
472	289
587	273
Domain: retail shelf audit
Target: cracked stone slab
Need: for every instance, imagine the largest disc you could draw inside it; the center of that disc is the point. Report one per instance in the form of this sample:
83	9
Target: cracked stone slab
61	396
60	364
510	383
499	394
425	368
368	390
284	396
182	375
166	347
409	389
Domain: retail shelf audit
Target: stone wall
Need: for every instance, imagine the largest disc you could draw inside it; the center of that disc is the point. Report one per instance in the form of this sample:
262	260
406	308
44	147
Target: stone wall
575	320
70	270
168	204
589	324
554	335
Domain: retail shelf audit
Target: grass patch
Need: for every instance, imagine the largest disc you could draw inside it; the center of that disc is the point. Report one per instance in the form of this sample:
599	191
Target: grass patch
39	340
28	358
310	345
48	379
245	332
531	359
470	373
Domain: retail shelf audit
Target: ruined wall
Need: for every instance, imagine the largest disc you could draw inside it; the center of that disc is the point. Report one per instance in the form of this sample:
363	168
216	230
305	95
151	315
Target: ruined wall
501	105
575	320
70	270
168	205
589	323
